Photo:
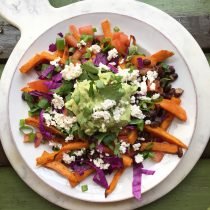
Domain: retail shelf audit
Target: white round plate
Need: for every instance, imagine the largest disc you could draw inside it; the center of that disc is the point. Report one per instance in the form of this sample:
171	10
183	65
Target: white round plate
153	32
150	39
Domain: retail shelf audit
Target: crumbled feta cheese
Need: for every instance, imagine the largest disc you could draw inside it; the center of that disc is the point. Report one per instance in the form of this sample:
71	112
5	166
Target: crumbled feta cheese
101	114
123	147
55	144
79	152
145	98
136	146
152	87
112	63
48	118
112	54
141	138
122	61
132	99
136	112
102	66
144	78
71	71
95	48
155	96
55	62
128	75
108	104
151	76
57	101
147	122
92	151
139	158
69	138
118	111
68	159
98	162
59	120
107	154
81	43
143	87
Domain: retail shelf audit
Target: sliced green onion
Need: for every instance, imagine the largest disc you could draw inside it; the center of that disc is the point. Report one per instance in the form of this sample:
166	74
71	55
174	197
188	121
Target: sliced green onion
60	43
43	103
26	129
86	38
87	55
94	30
22	122
84	188
116	29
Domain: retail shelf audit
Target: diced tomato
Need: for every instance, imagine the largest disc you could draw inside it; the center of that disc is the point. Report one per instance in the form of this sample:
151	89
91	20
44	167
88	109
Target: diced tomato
86	30
158	156
75	32
71	41
38	139
99	37
39	85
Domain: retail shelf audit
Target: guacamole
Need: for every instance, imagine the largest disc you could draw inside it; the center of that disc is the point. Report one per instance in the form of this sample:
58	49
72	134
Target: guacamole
102	105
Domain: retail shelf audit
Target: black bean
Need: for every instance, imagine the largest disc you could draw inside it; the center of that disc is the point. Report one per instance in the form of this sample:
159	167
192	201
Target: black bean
160	71
167	88
146	62
166	95
158	120
172	91
178	92
171	69
174	76
180	152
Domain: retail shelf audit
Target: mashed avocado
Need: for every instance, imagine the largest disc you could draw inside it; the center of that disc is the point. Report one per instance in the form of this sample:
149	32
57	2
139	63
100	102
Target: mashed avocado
101	105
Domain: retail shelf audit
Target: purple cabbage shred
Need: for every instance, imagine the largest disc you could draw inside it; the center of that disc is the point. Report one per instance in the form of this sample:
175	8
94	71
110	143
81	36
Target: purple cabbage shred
42	129
100	58
140	63
52	47
46	72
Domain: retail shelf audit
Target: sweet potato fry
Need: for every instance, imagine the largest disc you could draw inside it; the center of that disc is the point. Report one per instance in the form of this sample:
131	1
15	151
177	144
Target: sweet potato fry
46	158
159	147
106	27
166	123
160	56
127	161
114	182
62	170
38	58
69	147
27	89
165	136
39	85
33	121
58	53
65	55
132	136
157	156
173	108
82	177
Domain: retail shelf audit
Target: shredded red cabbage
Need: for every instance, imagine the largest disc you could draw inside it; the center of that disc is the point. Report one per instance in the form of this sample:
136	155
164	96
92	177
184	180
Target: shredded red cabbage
99	177
48	95
137	177
57	77
60	34
100	58
100	148
46	72
115	162
79	168
140	63
52	47
131	127
113	69
52	85
42	129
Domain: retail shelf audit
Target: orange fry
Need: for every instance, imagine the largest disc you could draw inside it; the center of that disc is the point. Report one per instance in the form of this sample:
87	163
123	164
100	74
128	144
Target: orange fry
63	170
159	147
65	55
166	123
114	182
165	136
160	56
127	161
173	108
106	27
132	136
46	158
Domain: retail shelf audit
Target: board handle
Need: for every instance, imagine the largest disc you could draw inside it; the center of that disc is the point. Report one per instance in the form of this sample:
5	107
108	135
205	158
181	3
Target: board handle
26	14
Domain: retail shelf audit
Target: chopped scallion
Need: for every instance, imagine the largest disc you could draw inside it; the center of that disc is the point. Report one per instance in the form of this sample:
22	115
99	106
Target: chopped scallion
84	188
60	43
